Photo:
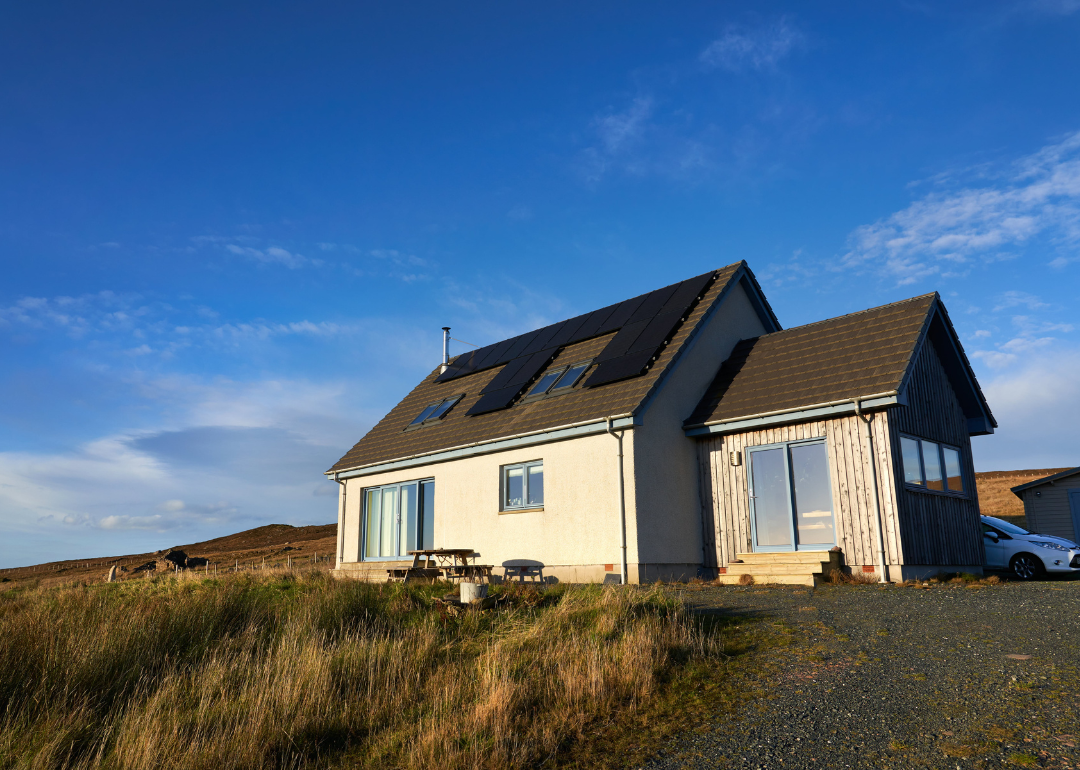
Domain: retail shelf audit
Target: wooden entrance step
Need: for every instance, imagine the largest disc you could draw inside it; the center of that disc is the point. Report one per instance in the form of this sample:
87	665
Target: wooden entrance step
790	568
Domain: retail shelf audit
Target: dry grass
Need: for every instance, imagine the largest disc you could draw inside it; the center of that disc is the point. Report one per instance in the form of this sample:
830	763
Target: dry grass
297	670
996	497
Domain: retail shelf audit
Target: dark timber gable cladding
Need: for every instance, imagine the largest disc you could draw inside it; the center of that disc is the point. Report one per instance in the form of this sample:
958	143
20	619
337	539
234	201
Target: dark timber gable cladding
632	342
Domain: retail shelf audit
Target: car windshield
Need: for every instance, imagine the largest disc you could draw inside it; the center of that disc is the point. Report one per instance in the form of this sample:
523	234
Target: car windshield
1004	526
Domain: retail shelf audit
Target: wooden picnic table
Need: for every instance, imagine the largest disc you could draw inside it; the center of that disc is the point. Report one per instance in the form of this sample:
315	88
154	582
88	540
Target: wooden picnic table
452	562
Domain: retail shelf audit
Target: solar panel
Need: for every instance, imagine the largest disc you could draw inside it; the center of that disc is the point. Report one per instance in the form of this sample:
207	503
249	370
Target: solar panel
487	356
520	343
656	332
451	372
654	301
620	368
592	324
495	400
500	351
565	335
687	291
643	324
620	344
532	366
540	341
620	315
503	378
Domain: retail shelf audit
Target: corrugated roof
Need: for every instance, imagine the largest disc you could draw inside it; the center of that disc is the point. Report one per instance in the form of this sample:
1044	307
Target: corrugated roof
389	440
860	354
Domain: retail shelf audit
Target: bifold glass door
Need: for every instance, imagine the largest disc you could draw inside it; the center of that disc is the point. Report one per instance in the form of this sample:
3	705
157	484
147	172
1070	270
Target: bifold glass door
398	518
791	497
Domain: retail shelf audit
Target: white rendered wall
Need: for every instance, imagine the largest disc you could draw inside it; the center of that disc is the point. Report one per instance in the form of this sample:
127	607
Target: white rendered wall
668	501
578	526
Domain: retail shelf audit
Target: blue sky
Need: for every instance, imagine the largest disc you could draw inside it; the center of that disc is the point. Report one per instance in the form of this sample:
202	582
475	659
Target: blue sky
230	232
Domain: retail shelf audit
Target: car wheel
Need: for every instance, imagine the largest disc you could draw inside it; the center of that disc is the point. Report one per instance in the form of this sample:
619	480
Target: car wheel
1025	566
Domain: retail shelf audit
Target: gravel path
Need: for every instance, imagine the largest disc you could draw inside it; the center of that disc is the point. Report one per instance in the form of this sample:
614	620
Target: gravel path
903	677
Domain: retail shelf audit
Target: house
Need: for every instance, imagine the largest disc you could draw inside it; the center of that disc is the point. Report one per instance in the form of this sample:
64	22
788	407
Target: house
1052	504
683	433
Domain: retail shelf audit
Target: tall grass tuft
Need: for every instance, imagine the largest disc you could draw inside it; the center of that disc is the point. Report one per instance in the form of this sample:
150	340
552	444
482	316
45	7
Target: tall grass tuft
300	670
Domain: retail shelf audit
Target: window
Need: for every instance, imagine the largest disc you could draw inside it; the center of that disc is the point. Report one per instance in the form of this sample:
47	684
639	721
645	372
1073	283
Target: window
931	465
954	481
791	496
434	411
523	486
398	518
559	380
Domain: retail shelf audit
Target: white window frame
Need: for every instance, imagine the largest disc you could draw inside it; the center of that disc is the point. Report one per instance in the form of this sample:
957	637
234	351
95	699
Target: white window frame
921	487
422	515
437	413
525	504
555	389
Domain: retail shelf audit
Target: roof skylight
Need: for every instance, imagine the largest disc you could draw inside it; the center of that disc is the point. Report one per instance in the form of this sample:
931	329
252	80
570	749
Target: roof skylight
559	380
435	411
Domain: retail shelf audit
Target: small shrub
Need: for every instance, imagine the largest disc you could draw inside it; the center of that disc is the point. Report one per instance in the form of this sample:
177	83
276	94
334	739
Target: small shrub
746	580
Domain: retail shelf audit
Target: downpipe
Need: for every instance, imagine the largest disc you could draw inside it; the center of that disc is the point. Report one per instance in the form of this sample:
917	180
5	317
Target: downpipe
878	524
341	523
622	500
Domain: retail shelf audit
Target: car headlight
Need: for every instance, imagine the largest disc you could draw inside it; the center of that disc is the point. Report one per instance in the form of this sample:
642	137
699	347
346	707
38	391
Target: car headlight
1051	546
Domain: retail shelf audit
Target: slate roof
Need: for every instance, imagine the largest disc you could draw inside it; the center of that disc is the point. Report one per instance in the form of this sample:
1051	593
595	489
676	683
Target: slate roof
389	440
861	354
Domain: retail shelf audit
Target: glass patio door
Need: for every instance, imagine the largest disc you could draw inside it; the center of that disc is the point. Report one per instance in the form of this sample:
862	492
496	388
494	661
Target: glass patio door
398	518
791	497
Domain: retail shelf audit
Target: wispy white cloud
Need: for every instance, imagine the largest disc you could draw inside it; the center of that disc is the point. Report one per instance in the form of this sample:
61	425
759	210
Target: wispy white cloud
743	48
1030	336
1016	298
274	255
947	231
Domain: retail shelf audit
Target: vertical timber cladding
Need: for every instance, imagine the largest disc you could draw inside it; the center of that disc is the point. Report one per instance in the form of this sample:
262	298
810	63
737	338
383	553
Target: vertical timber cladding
936	529
727	496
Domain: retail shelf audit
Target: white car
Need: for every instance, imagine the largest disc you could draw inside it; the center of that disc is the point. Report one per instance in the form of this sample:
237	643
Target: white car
1026	554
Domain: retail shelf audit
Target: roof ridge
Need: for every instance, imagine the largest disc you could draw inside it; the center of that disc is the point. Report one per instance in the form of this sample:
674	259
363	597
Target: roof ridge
714	271
850	315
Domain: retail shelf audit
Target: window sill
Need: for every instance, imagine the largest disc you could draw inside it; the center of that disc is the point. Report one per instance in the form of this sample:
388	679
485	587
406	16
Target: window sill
521	510
937	492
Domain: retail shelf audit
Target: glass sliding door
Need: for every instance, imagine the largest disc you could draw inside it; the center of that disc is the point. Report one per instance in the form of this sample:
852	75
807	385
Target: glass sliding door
398	518
771	504
791	497
427	514
813	495
373	522
389	521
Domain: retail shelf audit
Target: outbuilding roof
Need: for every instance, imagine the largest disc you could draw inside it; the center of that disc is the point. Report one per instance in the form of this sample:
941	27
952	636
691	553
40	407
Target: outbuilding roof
866	354
1045	480
632	374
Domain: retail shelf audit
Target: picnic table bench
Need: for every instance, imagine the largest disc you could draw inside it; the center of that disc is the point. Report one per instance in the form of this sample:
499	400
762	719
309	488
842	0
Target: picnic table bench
433	563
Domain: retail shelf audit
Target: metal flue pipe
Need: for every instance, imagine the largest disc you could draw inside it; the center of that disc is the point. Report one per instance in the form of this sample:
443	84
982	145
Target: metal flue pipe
445	349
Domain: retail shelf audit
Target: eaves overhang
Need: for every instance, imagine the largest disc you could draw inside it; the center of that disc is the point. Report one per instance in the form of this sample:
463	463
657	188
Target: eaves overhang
798	414
535	438
1044	480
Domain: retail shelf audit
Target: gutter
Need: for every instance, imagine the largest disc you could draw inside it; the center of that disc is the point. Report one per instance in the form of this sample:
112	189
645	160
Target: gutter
544	435
823	409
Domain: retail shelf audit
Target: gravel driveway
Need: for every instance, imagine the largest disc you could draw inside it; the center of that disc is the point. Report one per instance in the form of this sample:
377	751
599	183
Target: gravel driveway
903	677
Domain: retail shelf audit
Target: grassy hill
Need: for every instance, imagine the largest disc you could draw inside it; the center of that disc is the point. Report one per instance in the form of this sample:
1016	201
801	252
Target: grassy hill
995	497
273	545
